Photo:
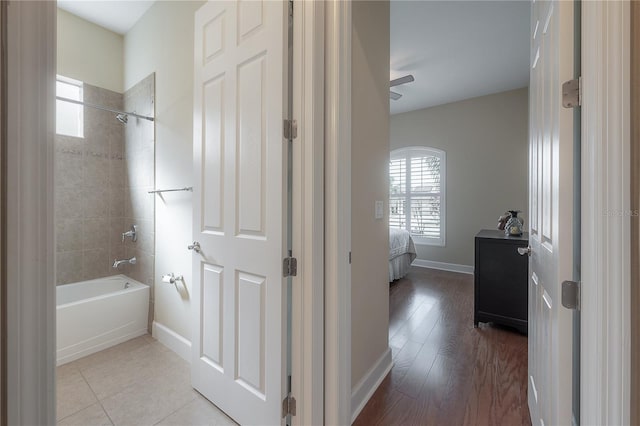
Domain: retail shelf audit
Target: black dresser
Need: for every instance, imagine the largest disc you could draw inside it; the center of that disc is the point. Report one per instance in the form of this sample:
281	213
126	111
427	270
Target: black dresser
501	279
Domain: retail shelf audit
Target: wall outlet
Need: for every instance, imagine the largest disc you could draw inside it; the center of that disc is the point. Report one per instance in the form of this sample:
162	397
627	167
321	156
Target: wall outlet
379	214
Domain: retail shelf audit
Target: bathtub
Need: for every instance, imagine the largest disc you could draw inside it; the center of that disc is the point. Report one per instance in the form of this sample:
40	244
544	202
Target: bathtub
93	315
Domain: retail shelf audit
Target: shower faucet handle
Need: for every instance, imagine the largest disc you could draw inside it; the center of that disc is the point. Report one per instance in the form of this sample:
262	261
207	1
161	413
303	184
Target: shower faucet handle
132	233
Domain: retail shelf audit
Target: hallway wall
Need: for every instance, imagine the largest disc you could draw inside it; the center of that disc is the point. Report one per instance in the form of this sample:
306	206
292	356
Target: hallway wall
369	183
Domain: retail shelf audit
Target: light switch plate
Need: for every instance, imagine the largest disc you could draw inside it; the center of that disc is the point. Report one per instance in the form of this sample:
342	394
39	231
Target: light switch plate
379	210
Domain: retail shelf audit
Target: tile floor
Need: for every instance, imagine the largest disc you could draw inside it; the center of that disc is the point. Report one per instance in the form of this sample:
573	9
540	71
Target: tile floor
139	382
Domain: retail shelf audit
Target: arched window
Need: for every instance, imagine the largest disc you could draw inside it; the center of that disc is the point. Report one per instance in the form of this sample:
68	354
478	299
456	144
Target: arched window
416	193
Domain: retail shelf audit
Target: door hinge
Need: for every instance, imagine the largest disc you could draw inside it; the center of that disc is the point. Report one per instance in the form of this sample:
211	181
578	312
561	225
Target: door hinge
291	8
290	267
290	129
288	406
572	93
571	294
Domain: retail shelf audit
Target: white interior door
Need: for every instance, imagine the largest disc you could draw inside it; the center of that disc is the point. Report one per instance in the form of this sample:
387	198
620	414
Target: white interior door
551	213
239	341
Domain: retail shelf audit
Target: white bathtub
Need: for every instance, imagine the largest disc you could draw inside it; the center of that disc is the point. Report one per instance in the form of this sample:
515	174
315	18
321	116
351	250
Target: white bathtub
93	315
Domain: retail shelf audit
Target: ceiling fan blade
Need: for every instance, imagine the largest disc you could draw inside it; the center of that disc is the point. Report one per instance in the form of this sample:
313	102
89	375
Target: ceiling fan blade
402	80
395	96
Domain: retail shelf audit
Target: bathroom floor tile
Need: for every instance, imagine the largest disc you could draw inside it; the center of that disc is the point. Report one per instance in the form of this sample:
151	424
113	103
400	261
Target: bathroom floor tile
93	415
73	392
198	412
138	382
125	369
113	352
147	402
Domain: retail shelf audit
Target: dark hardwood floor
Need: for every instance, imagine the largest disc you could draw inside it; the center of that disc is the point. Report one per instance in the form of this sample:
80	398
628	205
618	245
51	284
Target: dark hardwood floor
446	372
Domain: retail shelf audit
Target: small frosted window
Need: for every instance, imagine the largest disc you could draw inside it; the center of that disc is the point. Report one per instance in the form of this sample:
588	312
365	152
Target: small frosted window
69	116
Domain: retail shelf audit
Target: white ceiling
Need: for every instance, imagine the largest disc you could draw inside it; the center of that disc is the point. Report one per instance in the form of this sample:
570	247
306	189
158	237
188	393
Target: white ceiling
118	16
457	50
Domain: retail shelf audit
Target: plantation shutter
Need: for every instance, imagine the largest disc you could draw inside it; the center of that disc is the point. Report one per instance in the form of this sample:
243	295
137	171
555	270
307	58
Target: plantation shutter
416	193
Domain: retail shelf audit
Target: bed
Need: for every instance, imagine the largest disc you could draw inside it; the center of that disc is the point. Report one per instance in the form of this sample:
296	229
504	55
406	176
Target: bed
402	251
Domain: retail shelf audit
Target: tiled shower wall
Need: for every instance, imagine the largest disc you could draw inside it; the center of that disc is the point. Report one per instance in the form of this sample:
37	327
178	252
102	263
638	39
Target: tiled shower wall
102	184
90	192
139	154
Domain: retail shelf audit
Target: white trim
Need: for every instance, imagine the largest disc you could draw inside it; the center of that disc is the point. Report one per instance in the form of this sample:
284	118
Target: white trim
365	389
337	389
443	266
307	351
172	340
605	302
31	318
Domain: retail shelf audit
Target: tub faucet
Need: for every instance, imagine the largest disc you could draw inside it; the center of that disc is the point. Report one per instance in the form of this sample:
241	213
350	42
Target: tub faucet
131	261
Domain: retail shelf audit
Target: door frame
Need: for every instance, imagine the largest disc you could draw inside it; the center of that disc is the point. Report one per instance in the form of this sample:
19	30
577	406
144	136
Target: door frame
29	206
635	206
337	107
307	382
606	197
605	352
3	216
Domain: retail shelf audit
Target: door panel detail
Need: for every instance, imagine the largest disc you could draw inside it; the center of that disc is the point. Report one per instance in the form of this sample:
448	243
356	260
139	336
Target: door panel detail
213	155
213	38
251	147
249	17
250	333
211	312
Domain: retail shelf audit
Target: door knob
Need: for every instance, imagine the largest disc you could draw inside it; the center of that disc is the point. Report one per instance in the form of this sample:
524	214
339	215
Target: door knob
195	247
524	250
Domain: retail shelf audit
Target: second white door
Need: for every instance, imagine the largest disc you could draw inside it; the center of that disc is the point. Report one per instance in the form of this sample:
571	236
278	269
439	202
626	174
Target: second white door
240	215
551	206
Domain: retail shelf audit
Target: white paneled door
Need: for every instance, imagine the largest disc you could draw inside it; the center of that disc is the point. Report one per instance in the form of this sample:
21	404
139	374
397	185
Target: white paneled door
551	206
239	293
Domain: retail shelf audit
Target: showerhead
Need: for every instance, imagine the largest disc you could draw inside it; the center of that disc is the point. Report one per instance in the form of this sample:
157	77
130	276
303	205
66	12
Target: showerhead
123	118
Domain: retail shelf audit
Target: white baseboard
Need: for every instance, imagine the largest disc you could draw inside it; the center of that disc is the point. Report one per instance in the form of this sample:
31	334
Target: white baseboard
452	267
172	340
364	390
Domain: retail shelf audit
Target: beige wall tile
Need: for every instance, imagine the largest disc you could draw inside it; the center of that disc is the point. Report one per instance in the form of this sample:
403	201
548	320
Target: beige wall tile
95	233
96	170
69	169
96	264
69	267
68	234
95	202
117	174
116	202
118	226
69	203
90	191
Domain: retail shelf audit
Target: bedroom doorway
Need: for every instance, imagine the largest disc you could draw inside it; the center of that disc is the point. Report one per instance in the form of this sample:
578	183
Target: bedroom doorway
457	160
